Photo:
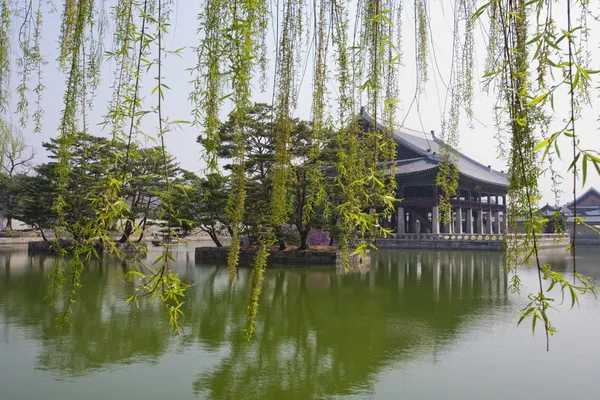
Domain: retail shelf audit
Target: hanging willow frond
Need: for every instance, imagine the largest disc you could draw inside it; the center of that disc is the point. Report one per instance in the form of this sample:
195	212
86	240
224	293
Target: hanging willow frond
208	82
245	39
5	38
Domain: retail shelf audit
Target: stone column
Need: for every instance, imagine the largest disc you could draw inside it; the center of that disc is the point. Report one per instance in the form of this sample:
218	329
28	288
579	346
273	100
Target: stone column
469	221
488	227
458	222
400	220
412	223
479	222
496	226
373	211
435	220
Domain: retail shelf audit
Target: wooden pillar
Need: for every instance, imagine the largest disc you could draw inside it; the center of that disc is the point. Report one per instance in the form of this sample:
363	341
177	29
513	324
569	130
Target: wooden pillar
480	221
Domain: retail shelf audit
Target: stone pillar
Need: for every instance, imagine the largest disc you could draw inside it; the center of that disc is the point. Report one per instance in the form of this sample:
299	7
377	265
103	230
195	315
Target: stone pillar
488	226
400	220
412	223
373	211
458	222
469	221
496	226
435	220
479	222
445	228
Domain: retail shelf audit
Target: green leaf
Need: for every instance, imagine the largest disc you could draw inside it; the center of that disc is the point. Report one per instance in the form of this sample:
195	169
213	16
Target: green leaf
525	314
536	100
480	10
542	144
584	167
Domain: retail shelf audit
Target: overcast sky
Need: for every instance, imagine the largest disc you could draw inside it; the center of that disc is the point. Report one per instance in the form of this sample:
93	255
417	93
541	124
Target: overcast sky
477	142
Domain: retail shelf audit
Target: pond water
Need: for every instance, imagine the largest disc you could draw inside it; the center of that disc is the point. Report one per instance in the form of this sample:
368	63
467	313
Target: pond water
413	325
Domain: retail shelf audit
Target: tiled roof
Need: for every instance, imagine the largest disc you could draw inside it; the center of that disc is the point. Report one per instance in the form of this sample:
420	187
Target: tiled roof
590	191
415	165
428	146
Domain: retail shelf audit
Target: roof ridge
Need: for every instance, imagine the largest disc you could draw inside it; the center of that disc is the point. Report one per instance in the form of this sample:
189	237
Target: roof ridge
590	190
416	149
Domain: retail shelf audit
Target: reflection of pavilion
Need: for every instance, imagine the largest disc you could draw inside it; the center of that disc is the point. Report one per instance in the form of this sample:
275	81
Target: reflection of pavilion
478	207
316	343
450	273
320	333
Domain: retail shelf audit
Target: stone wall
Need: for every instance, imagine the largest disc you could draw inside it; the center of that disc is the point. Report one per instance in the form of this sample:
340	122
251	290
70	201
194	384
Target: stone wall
41	247
289	258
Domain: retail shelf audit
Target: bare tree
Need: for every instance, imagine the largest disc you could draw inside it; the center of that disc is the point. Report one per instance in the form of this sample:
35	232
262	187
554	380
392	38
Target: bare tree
16	160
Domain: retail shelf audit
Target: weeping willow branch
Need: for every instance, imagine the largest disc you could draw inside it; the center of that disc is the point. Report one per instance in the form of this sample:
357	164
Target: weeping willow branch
243	33
285	99
5	37
524	110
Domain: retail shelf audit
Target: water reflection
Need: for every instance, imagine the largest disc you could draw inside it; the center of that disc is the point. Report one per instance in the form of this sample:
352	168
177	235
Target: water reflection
103	331
320	332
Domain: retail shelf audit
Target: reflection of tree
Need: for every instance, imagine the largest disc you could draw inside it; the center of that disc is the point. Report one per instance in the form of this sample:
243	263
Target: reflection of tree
324	334
103	330
320	333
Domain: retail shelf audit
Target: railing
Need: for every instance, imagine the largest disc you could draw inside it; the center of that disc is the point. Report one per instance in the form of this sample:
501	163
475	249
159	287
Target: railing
474	237
447	236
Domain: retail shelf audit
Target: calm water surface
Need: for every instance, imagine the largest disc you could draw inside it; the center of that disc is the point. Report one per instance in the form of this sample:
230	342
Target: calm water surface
415	325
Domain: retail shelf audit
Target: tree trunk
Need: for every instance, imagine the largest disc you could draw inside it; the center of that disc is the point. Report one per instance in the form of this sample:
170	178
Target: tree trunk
143	228
280	239
9	223
304	240
215	239
43	235
127	233
282	244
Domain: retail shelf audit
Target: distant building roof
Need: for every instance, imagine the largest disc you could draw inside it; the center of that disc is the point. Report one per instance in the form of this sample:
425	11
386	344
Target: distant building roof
548	209
428	146
589	199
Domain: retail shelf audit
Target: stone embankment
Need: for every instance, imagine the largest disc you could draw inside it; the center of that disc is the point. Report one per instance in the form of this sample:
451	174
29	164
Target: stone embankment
288	257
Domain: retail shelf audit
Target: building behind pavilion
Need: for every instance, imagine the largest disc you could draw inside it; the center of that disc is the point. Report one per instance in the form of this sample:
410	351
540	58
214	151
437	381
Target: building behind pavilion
588	211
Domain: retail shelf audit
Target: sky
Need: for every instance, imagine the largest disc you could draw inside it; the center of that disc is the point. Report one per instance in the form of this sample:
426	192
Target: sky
477	140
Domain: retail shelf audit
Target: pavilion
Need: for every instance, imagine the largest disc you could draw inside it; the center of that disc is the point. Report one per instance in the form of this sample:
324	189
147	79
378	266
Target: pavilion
479	206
